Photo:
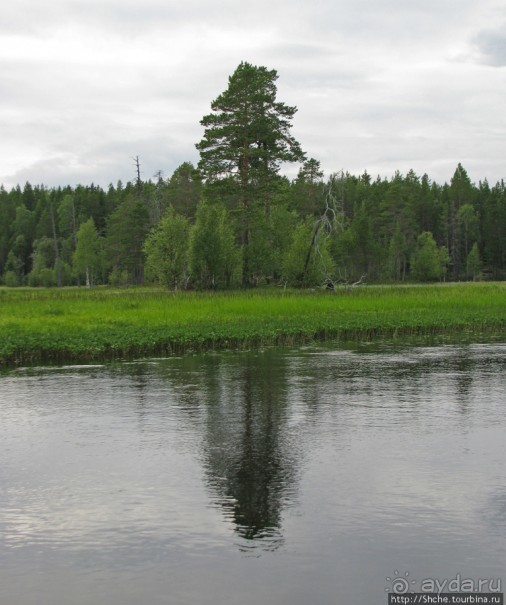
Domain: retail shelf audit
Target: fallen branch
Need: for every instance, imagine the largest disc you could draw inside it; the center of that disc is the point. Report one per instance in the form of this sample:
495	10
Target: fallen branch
331	284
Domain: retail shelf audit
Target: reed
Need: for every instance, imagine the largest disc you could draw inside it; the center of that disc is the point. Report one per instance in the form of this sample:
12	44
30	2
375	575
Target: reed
73	324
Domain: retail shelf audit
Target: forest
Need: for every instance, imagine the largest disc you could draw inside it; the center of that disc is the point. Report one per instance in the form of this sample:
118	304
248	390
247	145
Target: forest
234	220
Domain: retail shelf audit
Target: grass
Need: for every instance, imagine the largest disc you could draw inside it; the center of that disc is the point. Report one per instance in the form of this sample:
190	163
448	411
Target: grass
73	324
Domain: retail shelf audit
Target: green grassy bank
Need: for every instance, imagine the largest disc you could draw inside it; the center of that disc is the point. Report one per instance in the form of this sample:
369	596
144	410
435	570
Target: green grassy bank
82	325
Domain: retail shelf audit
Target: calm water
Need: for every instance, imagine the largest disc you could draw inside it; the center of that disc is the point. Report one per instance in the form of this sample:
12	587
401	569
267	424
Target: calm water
294	476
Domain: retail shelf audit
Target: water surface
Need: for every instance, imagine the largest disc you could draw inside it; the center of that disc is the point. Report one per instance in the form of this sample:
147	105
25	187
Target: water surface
284	476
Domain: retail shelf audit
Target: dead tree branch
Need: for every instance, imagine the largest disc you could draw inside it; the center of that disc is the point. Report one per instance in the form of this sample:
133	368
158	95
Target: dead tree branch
330	221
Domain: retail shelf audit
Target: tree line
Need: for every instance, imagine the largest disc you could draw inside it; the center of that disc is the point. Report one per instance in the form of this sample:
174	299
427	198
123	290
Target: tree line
234	220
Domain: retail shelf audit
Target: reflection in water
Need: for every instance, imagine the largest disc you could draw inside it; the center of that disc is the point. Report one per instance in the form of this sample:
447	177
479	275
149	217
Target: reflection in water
141	481
244	458
241	402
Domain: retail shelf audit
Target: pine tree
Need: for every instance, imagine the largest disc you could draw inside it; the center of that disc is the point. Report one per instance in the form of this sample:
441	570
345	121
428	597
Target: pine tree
246	139
248	133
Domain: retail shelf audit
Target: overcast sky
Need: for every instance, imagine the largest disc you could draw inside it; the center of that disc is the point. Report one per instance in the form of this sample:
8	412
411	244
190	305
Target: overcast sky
380	85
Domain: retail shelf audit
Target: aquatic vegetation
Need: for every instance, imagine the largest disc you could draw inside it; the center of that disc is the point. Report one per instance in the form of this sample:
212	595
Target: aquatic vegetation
71	324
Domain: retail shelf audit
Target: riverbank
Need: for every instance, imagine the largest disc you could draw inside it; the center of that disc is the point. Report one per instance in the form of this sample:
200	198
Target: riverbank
75	324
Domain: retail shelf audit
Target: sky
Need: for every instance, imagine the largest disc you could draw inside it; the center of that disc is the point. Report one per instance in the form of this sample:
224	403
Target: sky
380	85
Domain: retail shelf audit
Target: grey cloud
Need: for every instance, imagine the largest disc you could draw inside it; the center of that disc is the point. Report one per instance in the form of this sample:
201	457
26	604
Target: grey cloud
492	46
135	18
103	164
352	18
136	78
373	20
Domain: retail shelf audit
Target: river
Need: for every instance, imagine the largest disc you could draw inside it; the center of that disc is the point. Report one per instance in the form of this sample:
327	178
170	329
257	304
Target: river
320	474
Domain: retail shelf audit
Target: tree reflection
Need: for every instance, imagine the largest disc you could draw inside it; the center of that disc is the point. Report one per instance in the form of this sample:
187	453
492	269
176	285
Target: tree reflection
248	464
242	408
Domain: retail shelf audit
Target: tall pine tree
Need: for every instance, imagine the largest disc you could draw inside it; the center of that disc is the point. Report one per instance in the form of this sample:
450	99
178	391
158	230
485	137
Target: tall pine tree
246	139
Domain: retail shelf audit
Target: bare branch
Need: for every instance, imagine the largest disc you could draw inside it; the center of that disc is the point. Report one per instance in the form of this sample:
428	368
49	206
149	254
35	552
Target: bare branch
330	219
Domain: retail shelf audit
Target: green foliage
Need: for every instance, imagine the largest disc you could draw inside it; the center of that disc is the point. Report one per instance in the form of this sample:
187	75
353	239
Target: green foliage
397	255
295	256
282	224
494	229
397	207
461	193
166	249
376	223
258	253
23	230
13	273
444	261
426	260
127	228
11	279
305	264
184	190
67	220
468	222
7	215
215	259
248	134
307	190
356	248
43	261
343	249
118	277
87	258
42	277
66	273
246	139
473	263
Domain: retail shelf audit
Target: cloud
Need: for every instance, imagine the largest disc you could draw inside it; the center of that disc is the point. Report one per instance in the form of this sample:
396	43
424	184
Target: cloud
87	85
491	44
